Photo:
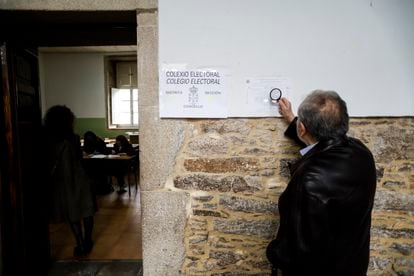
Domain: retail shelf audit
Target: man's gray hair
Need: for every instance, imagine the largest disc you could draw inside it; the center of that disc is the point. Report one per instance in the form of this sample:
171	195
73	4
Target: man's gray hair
324	115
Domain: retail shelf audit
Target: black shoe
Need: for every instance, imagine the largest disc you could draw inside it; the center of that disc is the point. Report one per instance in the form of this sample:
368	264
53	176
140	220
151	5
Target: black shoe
88	247
79	251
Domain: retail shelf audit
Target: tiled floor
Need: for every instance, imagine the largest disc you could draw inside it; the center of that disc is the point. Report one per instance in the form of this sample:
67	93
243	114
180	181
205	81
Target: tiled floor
116	233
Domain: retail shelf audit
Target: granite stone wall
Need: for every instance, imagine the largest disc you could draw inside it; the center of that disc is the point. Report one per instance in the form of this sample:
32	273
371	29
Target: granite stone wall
234	170
392	234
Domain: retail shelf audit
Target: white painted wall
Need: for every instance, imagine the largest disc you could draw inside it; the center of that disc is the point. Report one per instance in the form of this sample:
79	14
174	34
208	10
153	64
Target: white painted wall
363	49
75	80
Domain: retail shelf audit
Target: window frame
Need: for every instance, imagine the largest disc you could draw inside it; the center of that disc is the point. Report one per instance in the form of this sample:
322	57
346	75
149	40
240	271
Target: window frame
111	82
133	107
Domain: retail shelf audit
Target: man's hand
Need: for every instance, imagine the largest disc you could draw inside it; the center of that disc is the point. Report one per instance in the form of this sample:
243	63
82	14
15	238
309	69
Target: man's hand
285	109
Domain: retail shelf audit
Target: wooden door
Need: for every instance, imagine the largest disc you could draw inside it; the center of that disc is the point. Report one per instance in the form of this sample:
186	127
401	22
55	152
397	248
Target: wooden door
23	194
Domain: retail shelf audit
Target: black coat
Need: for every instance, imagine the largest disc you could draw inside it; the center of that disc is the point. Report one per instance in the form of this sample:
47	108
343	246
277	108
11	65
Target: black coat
70	188
96	146
325	211
126	148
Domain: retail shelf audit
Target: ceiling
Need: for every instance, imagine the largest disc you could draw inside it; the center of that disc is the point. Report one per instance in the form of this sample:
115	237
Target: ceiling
89	49
69	28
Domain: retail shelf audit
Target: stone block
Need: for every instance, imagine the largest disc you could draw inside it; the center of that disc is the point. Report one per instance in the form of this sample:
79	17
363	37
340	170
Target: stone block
265	229
147	36
379	264
383	232
147	18
147	4
389	142
405	249
208	213
394	185
163	227
160	141
197	225
206	198
248	205
239	126
389	200
248	184
206	145
224	258
221	165
198	239
205	182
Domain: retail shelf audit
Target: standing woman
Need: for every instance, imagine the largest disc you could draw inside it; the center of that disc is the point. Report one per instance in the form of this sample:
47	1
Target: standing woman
71	195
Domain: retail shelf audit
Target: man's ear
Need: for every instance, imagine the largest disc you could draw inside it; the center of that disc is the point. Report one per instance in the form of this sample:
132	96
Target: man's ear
302	129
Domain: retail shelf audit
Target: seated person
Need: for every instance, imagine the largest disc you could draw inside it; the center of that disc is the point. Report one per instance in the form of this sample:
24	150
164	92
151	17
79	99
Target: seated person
122	146
93	144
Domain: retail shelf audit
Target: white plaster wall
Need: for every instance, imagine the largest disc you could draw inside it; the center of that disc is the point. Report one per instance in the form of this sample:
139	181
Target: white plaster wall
75	80
361	48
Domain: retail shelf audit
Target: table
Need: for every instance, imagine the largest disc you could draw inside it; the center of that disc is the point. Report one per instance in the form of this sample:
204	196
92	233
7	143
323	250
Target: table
111	146
101	166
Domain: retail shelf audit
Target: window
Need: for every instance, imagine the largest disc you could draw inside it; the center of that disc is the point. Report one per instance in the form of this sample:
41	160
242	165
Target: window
124	106
122	92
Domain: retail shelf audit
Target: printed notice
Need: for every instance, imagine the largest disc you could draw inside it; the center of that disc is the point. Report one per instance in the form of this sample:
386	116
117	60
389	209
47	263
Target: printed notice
192	93
259	103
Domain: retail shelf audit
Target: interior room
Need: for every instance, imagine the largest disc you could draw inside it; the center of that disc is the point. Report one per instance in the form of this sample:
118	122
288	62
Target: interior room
86	61
83	78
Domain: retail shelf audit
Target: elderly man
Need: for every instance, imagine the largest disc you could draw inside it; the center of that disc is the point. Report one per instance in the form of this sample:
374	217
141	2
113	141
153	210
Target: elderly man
325	210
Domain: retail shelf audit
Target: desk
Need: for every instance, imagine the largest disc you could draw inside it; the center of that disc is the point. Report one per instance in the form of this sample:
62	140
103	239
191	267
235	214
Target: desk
111	146
109	165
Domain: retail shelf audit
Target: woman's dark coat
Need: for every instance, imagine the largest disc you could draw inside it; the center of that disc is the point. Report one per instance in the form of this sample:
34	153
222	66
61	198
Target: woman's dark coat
71	191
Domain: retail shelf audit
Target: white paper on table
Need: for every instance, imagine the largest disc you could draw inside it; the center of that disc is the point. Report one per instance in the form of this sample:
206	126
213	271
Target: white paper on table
98	156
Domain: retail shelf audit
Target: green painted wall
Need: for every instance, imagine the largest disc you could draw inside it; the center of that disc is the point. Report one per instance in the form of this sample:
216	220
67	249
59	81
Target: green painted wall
97	125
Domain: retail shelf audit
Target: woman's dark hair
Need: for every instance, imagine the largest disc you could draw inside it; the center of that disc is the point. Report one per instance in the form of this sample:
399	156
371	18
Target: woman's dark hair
121	138
89	136
324	115
59	121
90	142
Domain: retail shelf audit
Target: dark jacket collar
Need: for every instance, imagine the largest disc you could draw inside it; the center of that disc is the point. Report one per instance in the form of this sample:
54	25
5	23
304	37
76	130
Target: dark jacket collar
321	146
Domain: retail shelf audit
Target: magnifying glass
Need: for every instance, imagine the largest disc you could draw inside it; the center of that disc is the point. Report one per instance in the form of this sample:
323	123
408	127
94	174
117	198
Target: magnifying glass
275	94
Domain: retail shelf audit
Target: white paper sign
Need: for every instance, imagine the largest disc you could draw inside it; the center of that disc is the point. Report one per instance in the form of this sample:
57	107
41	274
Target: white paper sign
192	93
259	103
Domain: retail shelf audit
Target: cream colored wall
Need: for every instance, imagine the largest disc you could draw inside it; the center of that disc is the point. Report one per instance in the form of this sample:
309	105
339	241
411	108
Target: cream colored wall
76	80
362	49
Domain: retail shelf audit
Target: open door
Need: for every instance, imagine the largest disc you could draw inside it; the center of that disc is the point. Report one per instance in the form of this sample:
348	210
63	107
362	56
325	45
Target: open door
23	195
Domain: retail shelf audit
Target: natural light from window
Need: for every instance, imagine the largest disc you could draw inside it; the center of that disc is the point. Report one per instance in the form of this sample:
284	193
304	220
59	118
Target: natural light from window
124	106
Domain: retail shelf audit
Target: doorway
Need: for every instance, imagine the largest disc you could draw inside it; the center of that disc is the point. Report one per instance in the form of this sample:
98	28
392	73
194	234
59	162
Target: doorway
35	29
117	221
